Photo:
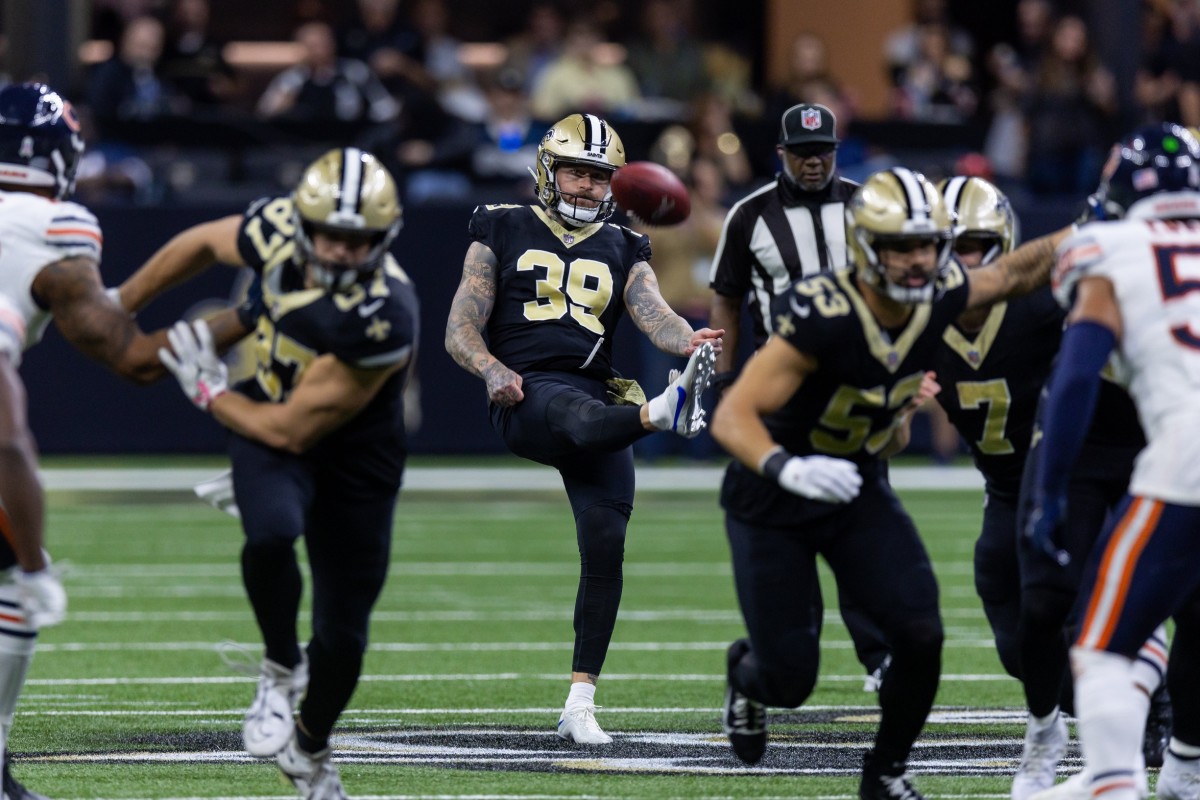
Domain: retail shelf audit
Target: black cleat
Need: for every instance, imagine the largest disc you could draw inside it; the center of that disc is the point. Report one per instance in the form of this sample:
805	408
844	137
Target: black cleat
745	720
1158	727
885	782
14	789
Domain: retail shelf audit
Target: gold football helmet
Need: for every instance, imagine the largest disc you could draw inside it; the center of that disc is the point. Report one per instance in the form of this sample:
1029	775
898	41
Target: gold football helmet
579	139
897	206
980	211
346	192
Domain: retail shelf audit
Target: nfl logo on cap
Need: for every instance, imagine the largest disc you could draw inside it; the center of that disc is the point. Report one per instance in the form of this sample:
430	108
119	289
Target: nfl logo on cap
810	119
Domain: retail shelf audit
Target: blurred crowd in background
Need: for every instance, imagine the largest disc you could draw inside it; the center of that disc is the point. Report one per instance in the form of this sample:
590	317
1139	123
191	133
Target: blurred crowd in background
685	82
455	103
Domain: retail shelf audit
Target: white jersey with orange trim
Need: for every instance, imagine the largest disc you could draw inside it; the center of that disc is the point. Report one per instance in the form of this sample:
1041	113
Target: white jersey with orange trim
1154	267
36	231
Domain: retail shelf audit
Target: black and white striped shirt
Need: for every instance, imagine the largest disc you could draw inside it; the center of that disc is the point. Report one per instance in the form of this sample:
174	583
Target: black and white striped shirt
775	235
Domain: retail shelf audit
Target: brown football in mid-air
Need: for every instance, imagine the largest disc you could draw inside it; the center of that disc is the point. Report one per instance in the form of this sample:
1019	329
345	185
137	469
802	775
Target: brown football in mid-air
651	193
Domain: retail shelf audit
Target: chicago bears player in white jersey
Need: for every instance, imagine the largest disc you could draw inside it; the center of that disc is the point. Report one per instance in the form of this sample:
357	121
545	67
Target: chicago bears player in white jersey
1132	286
49	269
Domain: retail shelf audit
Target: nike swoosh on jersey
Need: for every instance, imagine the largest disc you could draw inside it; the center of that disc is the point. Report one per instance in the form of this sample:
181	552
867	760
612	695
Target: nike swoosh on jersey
801	311
370	308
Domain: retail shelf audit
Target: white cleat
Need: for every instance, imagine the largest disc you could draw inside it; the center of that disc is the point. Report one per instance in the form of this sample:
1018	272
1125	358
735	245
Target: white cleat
313	774
1044	748
579	725
686	389
269	723
1179	778
1079	787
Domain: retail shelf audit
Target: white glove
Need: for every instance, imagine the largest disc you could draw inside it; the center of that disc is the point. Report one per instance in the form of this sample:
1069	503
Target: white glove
42	596
201	374
832	480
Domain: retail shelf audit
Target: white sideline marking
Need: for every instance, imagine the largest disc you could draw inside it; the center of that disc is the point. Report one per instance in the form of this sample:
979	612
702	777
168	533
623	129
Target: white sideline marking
463	647
441	479
559	614
462	677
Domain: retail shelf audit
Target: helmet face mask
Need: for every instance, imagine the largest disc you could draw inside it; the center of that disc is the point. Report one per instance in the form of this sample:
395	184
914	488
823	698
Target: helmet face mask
582	140
40	141
1153	173
347	196
898	210
984	221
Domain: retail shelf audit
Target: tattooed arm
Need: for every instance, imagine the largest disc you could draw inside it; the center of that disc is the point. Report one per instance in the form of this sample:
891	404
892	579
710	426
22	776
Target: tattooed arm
469	313
96	326
103	331
667	330
1016	273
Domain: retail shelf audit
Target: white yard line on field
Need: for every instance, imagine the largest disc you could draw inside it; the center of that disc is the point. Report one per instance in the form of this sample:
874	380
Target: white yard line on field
649	479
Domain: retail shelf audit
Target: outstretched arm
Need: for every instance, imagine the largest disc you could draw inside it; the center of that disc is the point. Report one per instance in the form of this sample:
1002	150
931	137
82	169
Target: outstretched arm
96	326
185	256
104	332
469	314
1095	327
668	331
329	394
1016	273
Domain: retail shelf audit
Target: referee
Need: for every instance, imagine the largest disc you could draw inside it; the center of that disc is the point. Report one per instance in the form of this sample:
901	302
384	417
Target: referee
791	228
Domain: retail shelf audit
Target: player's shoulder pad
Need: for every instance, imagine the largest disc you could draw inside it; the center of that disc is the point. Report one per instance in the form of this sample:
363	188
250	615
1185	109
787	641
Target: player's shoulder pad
267	225
72	229
814	302
1076	257
487	218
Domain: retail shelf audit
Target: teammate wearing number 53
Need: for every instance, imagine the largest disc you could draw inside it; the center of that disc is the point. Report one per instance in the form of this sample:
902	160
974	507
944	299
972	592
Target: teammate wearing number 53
317	437
809	421
547	286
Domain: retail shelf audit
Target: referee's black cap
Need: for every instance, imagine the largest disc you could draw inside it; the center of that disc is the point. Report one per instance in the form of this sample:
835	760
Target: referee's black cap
808	123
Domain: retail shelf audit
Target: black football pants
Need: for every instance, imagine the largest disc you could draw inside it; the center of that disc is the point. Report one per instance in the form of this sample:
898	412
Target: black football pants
347	532
880	564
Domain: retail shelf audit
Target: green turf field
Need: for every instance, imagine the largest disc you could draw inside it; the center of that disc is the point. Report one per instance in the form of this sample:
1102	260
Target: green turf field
469	662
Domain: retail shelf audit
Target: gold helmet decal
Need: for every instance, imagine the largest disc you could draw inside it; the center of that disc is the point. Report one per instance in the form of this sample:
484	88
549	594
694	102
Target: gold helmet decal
579	139
894	206
346	191
980	211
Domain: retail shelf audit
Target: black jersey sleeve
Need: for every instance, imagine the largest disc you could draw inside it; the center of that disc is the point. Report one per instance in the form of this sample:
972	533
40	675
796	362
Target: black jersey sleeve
641	246
267	227
379	332
487	225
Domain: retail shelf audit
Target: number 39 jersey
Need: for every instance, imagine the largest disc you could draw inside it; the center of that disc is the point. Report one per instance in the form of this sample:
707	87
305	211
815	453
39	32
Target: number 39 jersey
559	291
372	326
865	376
1154	268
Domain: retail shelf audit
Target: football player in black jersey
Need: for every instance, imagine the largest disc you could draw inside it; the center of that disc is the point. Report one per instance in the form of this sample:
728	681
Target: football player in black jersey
316	439
808	423
546	286
991	366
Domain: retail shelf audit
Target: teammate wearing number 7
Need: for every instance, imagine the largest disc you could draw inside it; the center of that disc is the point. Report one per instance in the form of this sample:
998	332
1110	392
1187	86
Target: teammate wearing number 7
541	293
809	422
